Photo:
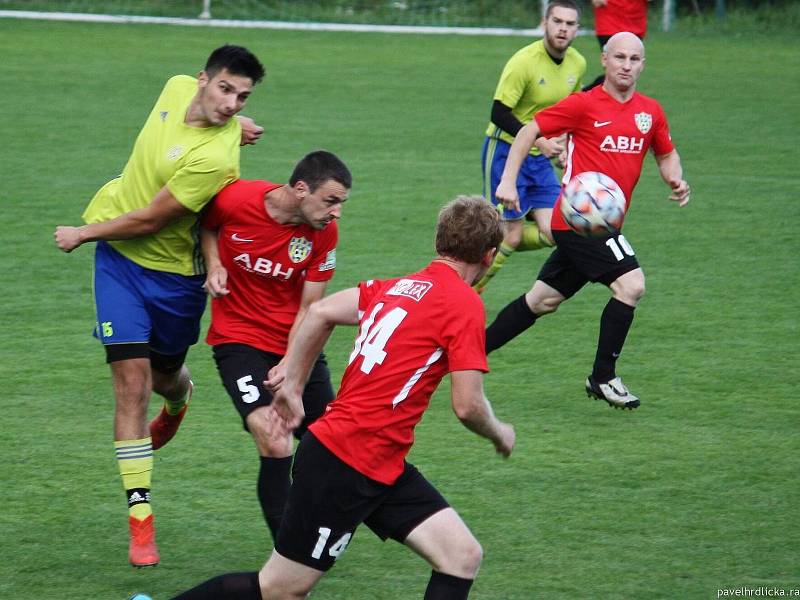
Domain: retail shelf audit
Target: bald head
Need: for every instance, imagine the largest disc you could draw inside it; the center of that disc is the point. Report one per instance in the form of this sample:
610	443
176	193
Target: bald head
623	61
624	40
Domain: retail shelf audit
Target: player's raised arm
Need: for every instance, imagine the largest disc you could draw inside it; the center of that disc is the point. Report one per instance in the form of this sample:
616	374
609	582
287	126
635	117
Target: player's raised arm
162	210
669	165
474	411
507	190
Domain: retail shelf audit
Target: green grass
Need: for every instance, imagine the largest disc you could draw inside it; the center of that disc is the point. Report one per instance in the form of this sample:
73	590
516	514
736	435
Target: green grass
697	490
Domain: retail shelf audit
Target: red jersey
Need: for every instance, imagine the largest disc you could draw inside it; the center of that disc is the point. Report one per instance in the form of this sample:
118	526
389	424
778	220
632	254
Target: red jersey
606	135
267	264
413	331
621	15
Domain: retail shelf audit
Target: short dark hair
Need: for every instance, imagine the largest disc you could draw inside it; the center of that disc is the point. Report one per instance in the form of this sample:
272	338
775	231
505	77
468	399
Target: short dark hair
317	167
562	4
237	60
467	227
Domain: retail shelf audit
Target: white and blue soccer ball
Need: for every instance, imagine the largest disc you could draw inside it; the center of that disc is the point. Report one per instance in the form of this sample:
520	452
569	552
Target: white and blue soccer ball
593	204
140	597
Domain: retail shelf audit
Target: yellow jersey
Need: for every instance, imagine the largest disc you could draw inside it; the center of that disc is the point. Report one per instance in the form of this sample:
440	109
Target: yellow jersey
532	81
193	162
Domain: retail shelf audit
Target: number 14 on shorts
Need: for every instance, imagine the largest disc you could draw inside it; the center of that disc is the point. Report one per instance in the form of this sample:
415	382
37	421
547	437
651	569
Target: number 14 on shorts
336	549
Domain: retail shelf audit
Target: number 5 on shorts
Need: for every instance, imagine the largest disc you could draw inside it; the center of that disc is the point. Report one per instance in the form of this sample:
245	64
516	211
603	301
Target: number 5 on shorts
336	549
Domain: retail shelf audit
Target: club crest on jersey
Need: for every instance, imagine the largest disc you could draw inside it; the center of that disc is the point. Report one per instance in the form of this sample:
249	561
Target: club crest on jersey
411	288
644	121
299	249
174	153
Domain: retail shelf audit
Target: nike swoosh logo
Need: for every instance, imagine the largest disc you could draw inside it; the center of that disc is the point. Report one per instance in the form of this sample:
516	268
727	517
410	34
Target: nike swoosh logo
235	237
603	124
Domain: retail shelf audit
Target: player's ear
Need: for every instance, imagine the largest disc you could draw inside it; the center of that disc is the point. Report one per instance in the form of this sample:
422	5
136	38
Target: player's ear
202	79
488	257
301	189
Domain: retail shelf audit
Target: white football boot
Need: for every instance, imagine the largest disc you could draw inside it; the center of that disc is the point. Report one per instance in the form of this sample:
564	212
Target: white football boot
613	392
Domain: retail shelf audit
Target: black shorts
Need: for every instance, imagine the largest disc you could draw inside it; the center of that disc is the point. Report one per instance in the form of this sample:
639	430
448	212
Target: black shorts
244	368
578	260
329	499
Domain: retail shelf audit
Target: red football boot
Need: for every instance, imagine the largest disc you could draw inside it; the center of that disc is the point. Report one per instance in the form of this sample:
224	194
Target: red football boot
142	551
164	426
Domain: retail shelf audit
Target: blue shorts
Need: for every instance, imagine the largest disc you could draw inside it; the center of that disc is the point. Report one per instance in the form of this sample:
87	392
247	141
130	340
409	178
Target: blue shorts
537	185
138	305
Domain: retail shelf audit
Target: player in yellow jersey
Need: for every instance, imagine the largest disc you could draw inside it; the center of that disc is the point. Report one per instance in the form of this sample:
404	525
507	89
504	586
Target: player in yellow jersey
537	76
148	270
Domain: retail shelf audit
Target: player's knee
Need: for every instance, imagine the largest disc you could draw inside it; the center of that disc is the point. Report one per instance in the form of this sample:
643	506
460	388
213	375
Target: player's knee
268	442
632	291
461	558
543	305
473	556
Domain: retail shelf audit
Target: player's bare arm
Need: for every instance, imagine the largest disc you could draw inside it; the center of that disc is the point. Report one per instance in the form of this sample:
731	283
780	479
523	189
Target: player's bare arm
669	165
319	321
475	413
507	190
216	283
313	291
161	211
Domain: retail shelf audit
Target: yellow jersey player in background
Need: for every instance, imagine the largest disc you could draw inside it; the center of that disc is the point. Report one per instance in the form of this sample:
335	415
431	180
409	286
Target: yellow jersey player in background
148	269
536	77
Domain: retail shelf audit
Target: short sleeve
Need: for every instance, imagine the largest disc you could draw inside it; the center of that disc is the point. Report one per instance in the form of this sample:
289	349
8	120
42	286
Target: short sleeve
464	335
513	82
199	180
561	117
662	140
367	290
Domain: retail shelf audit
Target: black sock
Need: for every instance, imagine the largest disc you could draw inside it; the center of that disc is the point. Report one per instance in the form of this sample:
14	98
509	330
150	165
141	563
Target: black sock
273	490
614	326
447	587
231	586
515	318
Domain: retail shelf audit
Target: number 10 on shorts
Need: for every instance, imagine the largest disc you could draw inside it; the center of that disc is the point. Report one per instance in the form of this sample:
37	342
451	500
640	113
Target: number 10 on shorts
336	549
620	245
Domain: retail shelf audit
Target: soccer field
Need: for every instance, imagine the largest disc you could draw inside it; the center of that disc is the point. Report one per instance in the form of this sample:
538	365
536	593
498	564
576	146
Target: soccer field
696	491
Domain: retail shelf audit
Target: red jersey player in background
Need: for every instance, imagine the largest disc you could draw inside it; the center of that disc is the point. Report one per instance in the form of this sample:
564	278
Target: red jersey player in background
350	468
610	129
270	250
615	16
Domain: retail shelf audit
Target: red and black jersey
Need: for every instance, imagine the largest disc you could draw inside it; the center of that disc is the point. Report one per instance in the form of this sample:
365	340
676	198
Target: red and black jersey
606	135
413	331
267	263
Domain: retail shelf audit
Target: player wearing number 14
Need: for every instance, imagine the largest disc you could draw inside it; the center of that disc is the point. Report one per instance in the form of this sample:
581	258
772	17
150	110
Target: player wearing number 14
610	130
350	467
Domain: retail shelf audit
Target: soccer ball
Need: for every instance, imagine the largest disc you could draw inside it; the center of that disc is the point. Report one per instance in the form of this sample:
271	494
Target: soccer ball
593	204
